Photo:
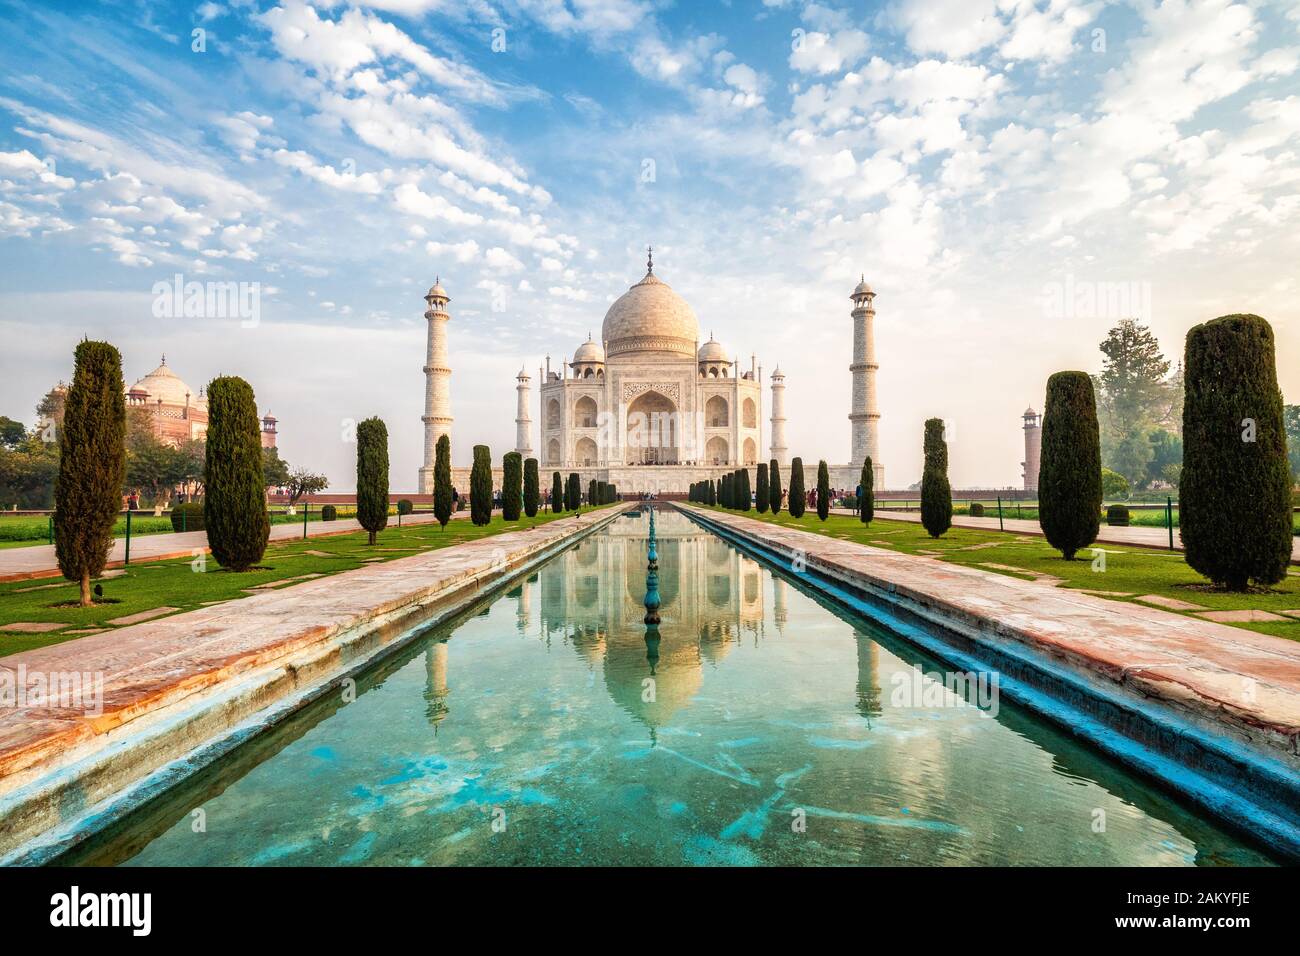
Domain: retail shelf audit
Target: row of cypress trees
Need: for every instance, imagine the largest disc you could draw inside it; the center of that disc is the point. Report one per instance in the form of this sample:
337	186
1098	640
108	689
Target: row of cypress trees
566	493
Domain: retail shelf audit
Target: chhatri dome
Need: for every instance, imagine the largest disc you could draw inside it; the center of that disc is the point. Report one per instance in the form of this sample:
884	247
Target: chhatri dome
162	384
712	351
589	351
650	317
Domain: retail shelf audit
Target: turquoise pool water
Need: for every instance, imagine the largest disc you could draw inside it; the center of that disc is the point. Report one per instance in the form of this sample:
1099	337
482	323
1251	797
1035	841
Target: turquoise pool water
764	728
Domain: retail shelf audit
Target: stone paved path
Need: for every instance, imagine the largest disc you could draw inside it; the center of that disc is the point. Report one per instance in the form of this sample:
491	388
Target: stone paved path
1141	536
39	561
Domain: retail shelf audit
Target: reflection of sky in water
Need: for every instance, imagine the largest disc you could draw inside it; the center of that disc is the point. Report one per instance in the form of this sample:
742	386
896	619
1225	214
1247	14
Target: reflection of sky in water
766	708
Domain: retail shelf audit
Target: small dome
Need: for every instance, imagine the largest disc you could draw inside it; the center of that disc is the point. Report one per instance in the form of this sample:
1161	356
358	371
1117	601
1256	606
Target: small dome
436	290
712	351
162	383
1030	413
862	289
589	351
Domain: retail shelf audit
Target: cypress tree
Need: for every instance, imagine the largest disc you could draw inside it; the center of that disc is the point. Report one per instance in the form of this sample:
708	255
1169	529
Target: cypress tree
532	487
745	491
760	489
480	486
867	500
798	499
234	500
713	492
592	497
936	493
774	486
573	495
512	490
1235	507
823	490
1069	476
92	465
729	489
442	480
372	476
557	493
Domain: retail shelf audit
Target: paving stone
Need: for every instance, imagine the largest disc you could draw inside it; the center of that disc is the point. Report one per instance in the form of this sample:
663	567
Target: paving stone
322	554
143	616
86	630
44	587
1116	594
31	627
1006	567
1295	613
1172	604
1243	615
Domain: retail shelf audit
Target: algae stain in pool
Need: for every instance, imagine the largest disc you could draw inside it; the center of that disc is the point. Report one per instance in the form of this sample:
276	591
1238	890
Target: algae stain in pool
542	730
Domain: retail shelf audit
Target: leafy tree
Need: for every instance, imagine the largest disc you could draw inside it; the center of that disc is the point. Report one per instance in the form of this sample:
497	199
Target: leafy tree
480	486
1166	450
774	486
823	490
12	433
532	487
936	493
275	470
442	480
762	496
1113	485
1069	476
372	476
153	466
798	498
1134	395
303	482
92	465
1291	416
234	503
867	497
512	491
557	493
1235	497
28	472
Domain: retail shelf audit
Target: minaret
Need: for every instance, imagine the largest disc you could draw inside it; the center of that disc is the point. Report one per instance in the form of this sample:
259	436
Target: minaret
865	415
779	450
523	423
437	382
1033	447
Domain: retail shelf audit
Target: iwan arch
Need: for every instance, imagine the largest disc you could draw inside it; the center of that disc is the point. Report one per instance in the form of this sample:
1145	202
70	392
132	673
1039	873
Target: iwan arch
649	407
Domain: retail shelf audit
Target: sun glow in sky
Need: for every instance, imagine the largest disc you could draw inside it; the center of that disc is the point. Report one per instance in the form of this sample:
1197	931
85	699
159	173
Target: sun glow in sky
1012	176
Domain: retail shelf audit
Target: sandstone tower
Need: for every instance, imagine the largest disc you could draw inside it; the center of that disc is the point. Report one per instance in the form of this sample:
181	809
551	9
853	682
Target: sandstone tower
865	415
437	382
1033	447
523	422
779	449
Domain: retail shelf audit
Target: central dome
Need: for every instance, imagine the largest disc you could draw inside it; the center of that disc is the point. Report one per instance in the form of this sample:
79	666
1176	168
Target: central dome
651	317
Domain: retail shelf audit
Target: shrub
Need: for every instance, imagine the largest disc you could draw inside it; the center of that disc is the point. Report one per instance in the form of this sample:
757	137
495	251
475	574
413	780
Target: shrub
774	486
867	500
188	516
405	507
823	490
762	497
1235	491
372	476
936	493
442	496
92	465
532	487
798	498
1113	484
329	513
234	497
976	510
1117	516
480	486
512	486
1069	477
557	493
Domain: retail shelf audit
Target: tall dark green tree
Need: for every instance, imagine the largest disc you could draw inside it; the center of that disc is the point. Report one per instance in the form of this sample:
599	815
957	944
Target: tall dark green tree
1235	496
512	489
372	476
480	486
1069	475
936	493
573	494
823	490
745	493
532	487
798	497
593	496
442	480
761	494
774	486
712	489
867	499
92	465
234	502
557	493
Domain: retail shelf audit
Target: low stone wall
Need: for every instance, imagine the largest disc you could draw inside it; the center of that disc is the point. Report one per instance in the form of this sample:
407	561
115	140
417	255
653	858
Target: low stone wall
180	692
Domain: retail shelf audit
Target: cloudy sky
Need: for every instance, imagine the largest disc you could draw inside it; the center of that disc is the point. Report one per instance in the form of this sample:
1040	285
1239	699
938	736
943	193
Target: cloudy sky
1012	176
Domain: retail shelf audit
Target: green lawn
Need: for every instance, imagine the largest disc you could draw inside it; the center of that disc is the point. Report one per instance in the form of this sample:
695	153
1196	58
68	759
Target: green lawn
175	584
1129	570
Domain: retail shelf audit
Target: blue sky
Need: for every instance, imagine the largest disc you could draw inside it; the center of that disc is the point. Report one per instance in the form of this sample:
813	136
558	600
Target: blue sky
977	159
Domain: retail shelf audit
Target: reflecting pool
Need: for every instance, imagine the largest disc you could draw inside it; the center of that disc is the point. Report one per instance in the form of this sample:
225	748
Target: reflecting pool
762	727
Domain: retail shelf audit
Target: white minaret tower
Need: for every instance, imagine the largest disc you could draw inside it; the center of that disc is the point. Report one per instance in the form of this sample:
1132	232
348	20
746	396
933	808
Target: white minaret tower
866	414
523	422
779	450
437	382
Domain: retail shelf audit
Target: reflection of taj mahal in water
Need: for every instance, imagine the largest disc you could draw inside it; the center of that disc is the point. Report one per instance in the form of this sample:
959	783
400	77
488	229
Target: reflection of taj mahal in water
649	407
591	598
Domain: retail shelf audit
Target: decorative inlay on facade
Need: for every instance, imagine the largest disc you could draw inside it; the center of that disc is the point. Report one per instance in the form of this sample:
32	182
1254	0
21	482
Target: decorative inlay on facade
668	389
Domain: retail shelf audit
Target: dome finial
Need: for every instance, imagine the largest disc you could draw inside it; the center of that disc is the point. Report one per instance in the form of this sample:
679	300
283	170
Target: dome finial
164	358
649	260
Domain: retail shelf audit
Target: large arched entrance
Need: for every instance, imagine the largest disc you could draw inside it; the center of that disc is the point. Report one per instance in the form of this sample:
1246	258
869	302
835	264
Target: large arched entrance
653	432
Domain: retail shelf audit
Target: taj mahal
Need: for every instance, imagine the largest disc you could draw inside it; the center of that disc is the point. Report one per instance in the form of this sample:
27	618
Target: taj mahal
649	407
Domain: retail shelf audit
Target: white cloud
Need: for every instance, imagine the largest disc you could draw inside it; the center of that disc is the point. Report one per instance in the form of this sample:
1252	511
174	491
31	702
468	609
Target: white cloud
823	53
